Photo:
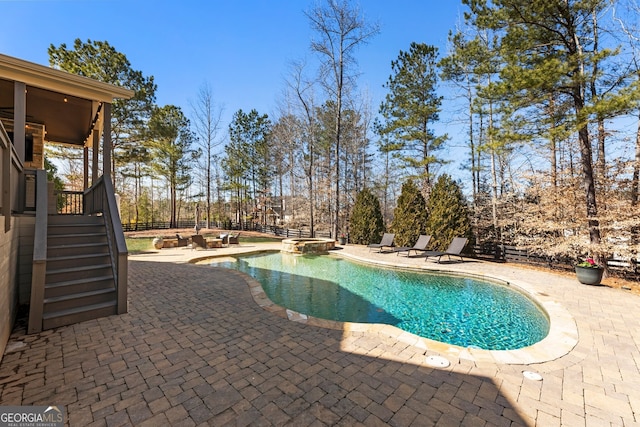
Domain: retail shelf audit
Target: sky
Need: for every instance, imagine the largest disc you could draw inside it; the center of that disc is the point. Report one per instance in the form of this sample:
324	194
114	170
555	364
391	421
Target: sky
242	49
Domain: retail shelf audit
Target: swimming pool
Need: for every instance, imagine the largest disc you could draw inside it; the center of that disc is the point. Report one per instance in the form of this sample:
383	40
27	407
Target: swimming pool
450	309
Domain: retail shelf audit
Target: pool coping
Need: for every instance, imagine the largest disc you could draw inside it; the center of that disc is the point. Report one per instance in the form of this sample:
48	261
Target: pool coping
561	339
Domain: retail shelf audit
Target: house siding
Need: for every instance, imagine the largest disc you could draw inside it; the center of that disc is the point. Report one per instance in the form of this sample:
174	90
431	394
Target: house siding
26	227
9	249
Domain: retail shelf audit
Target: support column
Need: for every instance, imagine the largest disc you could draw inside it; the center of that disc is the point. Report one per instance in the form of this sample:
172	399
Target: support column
106	141
85	158
19	117
19	124
94	154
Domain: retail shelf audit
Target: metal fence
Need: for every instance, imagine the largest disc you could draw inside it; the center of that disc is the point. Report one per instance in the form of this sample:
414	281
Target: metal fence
69	202
276	231
629	268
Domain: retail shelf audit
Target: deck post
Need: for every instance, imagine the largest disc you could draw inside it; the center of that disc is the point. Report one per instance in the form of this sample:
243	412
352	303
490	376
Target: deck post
106	141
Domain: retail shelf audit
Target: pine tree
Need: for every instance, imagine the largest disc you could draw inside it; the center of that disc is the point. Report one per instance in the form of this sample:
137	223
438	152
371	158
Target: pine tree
448	213
171	140
366	222
409	216
411	108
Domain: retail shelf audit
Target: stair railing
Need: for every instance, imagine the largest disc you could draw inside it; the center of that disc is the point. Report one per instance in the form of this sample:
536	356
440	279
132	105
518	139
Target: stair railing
10	175
39	265
100	198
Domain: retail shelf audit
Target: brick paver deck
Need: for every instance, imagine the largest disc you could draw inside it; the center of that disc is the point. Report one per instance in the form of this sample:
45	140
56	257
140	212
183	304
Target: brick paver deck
196	349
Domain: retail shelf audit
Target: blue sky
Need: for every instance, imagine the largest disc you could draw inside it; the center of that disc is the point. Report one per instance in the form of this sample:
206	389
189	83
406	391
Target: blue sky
242	49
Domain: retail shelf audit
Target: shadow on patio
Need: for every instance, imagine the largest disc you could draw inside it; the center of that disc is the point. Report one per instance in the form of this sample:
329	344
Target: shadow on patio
195	348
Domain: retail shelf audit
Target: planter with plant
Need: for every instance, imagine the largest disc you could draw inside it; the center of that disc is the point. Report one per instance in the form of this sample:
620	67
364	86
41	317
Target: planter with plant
589	272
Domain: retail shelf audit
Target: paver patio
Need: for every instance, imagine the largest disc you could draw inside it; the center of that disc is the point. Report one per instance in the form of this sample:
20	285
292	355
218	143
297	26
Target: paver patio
196	349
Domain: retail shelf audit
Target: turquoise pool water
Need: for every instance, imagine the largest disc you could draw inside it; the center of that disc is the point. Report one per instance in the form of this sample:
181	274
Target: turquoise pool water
455	310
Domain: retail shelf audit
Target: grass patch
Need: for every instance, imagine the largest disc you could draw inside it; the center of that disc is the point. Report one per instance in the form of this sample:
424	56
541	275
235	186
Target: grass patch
139	244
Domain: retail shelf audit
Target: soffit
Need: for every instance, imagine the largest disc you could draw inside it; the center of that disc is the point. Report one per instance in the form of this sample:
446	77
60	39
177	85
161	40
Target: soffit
65	103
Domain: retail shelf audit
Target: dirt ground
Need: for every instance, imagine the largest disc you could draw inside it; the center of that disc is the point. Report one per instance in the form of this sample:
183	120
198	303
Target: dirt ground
612	282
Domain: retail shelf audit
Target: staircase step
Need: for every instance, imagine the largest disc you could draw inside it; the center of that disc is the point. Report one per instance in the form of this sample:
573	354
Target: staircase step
77	248
77	259
81	299
80	268
77	238
75	219
66	287
79	256
79	314
79	272
72	235
67	226
57	232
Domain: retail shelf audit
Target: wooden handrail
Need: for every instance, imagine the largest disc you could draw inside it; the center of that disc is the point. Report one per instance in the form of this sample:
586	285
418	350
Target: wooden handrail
12	166
39	255
5	179
115	226
100	198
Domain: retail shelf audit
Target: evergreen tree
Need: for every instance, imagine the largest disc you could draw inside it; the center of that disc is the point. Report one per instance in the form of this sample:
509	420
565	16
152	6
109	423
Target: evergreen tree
58	184
366	220
249	156
410	109
171	140
410	215
448	213
551	50
101	61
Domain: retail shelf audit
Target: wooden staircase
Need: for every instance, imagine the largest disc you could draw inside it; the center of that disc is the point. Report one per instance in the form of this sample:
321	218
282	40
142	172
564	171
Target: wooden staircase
79	278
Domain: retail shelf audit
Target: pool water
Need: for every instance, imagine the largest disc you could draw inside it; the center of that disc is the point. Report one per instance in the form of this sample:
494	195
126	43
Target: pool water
454	310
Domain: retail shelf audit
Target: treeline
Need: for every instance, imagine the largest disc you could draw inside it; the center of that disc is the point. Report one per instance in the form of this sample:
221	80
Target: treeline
547	92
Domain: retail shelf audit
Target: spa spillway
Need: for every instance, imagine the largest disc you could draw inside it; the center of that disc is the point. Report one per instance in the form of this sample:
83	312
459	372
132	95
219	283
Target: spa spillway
308	246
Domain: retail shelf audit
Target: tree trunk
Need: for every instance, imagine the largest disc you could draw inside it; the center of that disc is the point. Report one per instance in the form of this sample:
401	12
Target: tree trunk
588	183
494	177
588	180
635	181
336	214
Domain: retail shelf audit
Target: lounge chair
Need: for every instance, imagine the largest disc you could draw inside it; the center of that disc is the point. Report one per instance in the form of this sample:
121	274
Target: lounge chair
455	248
182	241
198	240
420	246
234	239
386	242
229	239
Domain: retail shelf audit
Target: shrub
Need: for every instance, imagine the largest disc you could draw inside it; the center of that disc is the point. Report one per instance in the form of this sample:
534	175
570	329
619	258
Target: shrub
448	213
410	216
366	225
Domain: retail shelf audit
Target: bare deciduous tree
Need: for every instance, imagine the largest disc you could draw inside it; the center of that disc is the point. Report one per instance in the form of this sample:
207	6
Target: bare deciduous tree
341	30
206	120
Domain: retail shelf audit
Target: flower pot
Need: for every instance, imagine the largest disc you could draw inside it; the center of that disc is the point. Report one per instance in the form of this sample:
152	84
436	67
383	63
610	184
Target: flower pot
343	240
589	275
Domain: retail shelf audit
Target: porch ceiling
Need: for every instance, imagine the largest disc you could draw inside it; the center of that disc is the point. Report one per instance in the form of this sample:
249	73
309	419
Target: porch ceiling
67	122
65	103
